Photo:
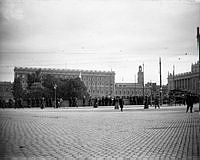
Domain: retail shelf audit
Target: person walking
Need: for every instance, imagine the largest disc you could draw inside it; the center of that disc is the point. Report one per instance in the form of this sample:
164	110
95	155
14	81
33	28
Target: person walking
43	103
121	104
189	102
76	102
156	103
117	103
95	102
83	100
146	103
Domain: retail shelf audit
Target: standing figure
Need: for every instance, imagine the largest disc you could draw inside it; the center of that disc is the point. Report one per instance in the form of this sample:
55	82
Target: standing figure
146	103
117	103
43	103
30	102
83	100
95	103
156	103
121	104
76	99
189	102
20	102
60	102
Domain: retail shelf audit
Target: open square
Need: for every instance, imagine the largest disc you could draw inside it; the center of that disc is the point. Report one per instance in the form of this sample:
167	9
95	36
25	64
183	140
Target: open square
98	133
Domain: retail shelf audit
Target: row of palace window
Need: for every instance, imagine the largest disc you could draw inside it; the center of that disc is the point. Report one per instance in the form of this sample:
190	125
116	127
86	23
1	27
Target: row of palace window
119	92
87	83
116	92
191	84
84	78
88	78
98	91
5	89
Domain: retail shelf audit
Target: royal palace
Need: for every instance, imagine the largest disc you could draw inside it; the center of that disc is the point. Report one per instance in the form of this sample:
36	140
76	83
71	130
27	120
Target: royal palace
188	81
98	83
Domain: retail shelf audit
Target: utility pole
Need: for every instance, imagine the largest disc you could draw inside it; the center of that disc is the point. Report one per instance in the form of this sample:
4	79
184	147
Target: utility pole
55	86
135	85
160	82
198	48
143	85
173	77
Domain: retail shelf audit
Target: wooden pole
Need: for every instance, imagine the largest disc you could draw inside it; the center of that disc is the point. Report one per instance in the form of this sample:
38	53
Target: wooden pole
198	43
160	82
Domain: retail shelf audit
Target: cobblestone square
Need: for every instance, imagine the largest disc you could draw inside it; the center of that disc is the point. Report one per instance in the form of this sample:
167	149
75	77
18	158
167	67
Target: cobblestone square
100	133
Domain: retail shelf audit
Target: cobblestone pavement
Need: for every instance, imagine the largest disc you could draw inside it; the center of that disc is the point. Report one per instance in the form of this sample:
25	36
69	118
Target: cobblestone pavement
100	133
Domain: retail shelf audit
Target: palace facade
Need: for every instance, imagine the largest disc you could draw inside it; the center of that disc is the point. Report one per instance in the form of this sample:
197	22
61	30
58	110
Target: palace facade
188	81
6	91
133	89
98	83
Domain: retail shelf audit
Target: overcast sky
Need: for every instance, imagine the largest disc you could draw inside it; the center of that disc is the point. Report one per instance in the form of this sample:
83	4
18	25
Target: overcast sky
99	35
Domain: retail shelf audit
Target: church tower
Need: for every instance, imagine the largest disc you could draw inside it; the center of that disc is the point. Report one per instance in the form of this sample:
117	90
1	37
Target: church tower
140	75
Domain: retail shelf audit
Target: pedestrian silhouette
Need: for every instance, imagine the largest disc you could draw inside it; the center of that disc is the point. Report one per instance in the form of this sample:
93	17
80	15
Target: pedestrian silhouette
189	102
156	103
121	104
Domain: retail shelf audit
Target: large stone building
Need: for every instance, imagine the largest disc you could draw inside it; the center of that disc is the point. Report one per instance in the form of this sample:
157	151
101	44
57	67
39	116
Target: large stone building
133	89
98	83
128	89
188	81
6	90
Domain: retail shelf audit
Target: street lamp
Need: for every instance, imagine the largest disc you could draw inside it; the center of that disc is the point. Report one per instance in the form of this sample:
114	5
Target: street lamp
198	43
143	85
151	92
55	86
160	95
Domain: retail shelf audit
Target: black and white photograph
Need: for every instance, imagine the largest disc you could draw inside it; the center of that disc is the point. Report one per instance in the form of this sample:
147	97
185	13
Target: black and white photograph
100	79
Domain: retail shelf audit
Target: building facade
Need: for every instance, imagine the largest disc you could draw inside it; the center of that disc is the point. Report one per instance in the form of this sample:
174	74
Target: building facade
133	89
128	89
6	90
188	81
98	83
140	76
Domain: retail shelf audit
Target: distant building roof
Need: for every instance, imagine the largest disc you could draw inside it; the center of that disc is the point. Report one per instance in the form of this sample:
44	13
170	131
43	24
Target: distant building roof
32	69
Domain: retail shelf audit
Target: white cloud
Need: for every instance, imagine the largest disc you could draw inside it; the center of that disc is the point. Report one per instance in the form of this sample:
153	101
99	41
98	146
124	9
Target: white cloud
100	34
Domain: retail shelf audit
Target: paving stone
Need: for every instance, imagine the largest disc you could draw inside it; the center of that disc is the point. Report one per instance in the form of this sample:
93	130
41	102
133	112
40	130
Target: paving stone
103	133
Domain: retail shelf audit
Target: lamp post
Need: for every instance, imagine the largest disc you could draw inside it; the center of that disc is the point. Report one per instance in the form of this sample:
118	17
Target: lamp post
160	81
143	85
198	44
151	92
160	95
55	86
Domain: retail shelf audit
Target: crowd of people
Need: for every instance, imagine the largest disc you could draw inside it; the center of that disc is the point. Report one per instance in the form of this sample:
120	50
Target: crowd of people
117	102
31	102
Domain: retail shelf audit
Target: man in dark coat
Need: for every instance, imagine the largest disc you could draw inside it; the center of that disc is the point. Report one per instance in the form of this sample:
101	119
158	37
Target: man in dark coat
95	103
157	103
121	104
189	102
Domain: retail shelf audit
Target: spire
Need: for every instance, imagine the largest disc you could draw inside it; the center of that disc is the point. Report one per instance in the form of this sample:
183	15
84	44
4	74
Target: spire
80	76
